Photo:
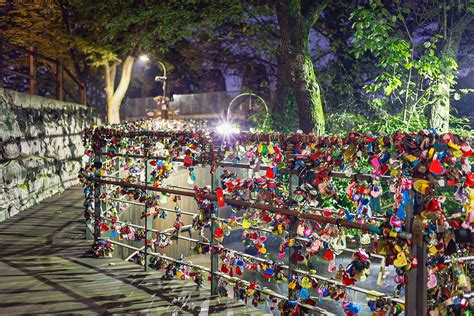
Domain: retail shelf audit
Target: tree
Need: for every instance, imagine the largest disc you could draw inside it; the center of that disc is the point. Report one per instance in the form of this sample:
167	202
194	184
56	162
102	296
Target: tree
417	67
54	29
261	31
456	17
122	29
114	94
110	34
295	19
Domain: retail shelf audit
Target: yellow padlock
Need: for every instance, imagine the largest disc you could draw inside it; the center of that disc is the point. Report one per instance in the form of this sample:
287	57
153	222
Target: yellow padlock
271	149
292	285
454	146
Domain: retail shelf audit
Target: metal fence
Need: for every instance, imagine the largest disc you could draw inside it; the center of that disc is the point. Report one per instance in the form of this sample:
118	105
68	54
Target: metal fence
113	172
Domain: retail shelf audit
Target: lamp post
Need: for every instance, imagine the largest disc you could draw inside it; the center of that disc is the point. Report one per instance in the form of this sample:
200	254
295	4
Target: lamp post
161	100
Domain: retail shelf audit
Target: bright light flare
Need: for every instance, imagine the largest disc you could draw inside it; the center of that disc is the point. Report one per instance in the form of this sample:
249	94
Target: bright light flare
144	58
226	129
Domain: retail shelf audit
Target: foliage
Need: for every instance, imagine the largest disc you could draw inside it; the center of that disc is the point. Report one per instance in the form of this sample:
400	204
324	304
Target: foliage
343	122
287	120
461	126
415	53
410	72
380	72
37	24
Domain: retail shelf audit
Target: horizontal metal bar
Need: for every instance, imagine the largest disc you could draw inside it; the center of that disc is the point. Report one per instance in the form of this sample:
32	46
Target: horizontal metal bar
376	218
121	244
286	267
190	264
317	218
115	172
159	255
345	249
380	218
165	232
264	167
468	258
351	287
159	207
225	249
111	159
178	187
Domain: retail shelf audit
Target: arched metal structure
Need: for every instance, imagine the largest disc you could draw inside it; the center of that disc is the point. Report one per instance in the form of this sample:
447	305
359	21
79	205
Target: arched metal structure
229	109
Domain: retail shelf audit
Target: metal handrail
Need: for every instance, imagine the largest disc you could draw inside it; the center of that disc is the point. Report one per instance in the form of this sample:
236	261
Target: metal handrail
34	56
285	211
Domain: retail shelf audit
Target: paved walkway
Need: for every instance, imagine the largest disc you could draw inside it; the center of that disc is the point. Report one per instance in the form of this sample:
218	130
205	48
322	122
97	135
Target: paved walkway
46	268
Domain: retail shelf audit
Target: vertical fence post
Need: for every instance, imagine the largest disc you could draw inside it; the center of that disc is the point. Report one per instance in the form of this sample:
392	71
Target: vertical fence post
117	174
421	290
32	69
292	234
214	255
148	219
97	192
421	281
410	289
82	93
59	80
416	295
1	62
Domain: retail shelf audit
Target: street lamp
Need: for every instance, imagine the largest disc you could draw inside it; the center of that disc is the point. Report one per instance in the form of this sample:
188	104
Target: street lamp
144	58
161	100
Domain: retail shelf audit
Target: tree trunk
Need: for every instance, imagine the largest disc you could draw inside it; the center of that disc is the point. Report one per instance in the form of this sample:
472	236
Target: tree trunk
115	96
307	94
439	113
295	21
440	109
282	94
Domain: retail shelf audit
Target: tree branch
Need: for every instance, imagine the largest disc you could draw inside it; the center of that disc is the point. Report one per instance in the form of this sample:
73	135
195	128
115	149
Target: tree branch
311	9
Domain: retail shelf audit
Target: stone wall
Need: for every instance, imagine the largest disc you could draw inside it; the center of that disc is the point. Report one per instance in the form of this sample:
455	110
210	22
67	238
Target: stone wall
40	148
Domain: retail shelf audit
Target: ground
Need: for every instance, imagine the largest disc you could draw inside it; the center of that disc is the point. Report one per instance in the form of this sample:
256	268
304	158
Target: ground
46	267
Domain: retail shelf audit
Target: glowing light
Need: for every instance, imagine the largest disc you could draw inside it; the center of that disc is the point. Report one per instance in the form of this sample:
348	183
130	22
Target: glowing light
225	128
144	58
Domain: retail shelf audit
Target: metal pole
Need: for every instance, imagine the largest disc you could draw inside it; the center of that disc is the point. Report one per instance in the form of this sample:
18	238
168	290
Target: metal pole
214	255
148	219
164	105
117	169
97	189
410	289
421	288
416	293
292	234
421	281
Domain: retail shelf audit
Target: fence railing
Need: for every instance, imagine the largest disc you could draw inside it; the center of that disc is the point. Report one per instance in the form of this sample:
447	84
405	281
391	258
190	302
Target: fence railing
128	167
60	73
